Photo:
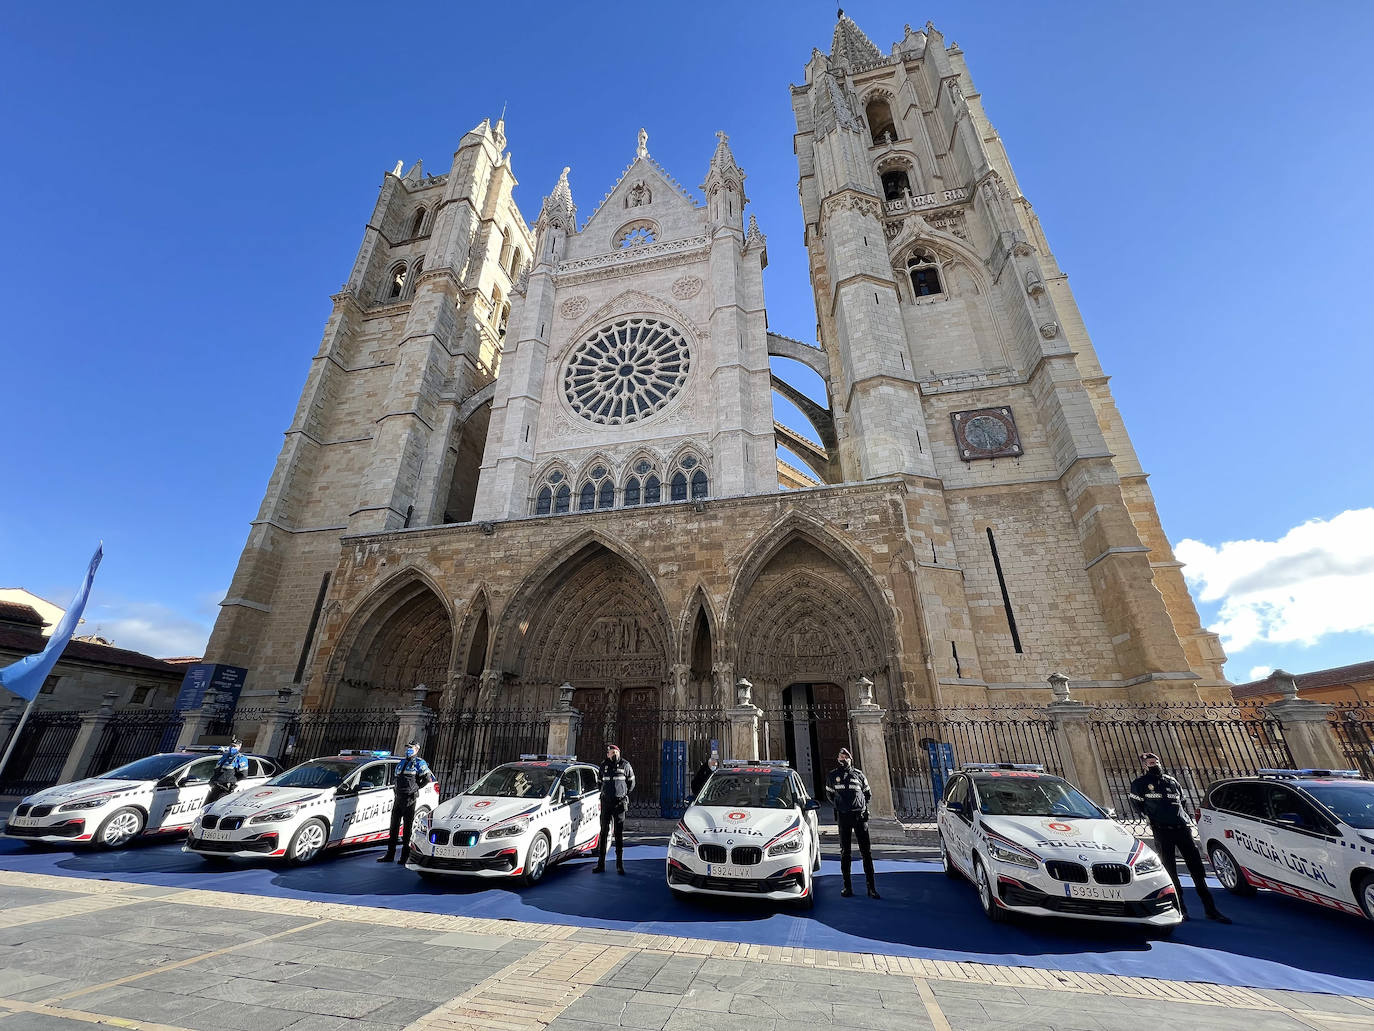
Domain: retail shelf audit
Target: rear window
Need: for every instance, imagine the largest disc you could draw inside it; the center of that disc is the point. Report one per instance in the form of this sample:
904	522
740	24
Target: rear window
1243	799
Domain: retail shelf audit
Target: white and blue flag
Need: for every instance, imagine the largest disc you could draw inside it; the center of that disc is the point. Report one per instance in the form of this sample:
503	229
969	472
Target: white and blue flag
25	677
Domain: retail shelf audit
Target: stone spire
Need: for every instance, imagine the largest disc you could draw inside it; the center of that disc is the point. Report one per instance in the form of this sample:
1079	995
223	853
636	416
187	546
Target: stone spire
849	44
724	186
559	209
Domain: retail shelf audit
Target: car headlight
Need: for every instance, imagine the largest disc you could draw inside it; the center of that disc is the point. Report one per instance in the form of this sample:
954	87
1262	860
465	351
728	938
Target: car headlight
508	830
783	848
679	840
1149	864
275	816
1007	854
90	803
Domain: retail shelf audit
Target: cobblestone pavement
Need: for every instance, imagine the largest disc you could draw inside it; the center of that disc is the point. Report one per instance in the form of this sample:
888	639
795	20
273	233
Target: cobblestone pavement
77	953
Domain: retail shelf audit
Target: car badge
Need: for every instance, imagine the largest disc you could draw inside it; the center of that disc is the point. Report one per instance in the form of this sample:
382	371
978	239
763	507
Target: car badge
481	805
737	816
262	794
729	841
1083	858
1062	828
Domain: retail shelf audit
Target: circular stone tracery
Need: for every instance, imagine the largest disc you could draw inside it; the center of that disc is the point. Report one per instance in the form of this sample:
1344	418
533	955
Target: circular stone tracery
626	371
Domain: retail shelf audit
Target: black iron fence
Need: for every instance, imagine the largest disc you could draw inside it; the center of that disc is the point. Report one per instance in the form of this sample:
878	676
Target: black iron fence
42	749
1353	728
315	733
809	736
1197	743
132	734
925	745
462	746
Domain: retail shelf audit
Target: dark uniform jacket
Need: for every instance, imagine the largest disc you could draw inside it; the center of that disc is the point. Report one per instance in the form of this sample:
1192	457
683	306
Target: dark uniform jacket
1159	797
411	775
700	778
231	768
848	791
617	781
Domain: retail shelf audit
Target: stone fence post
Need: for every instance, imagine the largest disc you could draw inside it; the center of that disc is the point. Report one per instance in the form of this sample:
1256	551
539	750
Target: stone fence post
1311	742
197	721
87	740
564	722
271	739
867	719
414	725
744	723
1072	721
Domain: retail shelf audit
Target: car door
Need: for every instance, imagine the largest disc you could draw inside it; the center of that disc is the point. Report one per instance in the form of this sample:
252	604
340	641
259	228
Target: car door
809	815
1305	843
1243	817
180	795
590	813
565	811
959	826
363	811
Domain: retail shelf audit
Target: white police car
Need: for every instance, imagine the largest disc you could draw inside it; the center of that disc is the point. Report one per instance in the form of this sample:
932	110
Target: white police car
517	821
339	801
1031	843
1304	833
157	795
751	832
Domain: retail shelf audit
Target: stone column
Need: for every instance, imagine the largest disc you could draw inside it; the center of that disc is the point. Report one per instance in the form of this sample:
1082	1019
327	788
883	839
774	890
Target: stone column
867	721
196	721
722	675
414	724
744	723
1072	721
563	724
679	677
87	741
271	739
1311	741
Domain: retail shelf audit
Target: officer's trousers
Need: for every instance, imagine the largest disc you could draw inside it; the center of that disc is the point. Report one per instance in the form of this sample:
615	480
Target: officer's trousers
855	826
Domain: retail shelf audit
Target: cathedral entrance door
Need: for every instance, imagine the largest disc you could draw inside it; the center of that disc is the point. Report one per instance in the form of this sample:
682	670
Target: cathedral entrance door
639	741
816	727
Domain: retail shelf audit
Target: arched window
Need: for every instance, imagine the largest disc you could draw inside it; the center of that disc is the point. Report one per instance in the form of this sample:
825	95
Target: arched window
652	491
635	234
699	484
689	477
880	122
504	322
515	261
398	281
418	224
504	258
495	305
678	490
586	499
924	271
895	184
632	492
562	501
605	497
544	502
553	495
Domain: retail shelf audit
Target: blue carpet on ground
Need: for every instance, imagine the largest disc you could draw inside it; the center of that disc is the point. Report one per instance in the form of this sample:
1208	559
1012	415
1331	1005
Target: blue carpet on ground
1275	942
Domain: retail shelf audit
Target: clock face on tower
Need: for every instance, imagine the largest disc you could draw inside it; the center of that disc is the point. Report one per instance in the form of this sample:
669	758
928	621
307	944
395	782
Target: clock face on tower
986	433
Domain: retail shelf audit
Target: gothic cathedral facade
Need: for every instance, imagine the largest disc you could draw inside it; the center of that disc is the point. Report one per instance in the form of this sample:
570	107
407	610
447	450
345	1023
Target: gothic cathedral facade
535	455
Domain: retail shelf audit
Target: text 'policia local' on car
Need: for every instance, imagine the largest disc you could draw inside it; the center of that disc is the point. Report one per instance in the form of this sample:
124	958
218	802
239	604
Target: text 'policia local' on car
517	821
158	795
752	831
1304	833
340	801
1031	843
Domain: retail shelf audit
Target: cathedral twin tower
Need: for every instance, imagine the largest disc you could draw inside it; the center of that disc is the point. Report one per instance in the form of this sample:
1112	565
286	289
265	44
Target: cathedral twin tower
526	456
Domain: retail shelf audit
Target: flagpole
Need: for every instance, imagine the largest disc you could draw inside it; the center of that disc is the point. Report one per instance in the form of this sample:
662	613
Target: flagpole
14	738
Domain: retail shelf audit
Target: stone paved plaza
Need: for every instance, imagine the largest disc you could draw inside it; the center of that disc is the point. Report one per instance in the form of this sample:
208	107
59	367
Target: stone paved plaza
78	953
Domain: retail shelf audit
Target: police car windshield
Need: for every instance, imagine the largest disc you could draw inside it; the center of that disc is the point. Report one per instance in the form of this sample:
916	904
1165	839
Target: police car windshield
1353	803
1012	795
155	767
323	773
760	790
516	782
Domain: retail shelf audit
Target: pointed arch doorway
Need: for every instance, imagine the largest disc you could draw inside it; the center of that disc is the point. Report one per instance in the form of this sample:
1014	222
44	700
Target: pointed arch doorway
815	726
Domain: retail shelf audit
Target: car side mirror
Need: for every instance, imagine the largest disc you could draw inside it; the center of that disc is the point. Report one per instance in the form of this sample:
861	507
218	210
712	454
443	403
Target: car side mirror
955	807
811	805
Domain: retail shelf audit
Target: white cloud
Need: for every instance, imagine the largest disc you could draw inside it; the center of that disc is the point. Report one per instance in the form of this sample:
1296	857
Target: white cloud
1317	579
147	627
1259	673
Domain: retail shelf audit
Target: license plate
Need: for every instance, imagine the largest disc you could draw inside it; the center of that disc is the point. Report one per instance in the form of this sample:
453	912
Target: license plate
215	835
1095	891
24	821
726	870
450	852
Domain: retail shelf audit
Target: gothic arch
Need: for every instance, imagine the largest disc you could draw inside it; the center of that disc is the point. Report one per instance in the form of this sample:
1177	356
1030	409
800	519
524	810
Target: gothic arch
400	636
698	601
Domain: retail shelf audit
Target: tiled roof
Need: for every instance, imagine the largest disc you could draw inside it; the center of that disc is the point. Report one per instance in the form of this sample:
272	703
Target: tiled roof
26	643
1334	677
15	612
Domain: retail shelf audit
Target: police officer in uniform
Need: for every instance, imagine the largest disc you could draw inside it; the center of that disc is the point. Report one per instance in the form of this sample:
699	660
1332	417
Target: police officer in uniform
1159	798
231	768
412	773
848	791
703	774
617	781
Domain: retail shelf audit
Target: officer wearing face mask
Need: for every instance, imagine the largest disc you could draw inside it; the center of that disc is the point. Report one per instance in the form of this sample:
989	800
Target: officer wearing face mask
617	782
412	774
848	791
703	774
1159	798
231	768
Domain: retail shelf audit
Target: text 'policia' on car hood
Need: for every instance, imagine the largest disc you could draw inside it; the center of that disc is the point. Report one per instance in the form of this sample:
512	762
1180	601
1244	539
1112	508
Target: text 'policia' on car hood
740	824
484	810
257	800
81	788
1048	836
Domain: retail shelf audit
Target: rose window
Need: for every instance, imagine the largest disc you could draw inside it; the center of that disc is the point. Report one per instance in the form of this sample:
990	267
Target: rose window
626	371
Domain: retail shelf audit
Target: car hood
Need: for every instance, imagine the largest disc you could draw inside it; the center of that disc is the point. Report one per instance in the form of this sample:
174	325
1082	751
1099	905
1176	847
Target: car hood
83	789
484	810
252	801
1100	840
744	825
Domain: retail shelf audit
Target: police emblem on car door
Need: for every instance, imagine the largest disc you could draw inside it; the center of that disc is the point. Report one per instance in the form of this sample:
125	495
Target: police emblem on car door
363	810
180	795
568	814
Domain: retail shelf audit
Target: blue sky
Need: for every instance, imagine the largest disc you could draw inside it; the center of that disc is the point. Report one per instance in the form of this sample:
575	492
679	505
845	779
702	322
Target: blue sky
187	185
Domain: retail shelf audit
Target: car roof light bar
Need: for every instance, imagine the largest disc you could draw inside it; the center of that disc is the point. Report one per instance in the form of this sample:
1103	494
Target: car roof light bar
1032	767
548	758
203	748
779	763
376	753
1291	774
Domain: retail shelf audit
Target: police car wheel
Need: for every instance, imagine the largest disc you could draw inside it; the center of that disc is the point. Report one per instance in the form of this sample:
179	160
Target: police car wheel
306	843
537	858
1364	891
1228	871
991	909
119	828
945	861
